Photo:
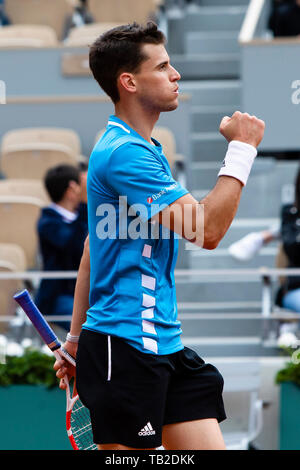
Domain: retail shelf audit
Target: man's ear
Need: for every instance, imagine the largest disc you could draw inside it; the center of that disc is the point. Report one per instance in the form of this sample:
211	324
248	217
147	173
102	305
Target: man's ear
127	82
73	186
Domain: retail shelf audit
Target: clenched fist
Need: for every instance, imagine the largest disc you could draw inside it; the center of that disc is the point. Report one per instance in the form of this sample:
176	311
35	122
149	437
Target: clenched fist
243	127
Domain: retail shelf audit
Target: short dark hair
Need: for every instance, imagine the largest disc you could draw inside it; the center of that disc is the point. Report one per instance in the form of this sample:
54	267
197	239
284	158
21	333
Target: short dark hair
118	50
57	180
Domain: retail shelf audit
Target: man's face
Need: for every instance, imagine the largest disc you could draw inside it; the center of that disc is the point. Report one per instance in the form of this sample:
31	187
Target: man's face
156	80
83	181
74	192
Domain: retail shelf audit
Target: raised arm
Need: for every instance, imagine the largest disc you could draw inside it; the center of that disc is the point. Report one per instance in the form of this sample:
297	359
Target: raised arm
205	222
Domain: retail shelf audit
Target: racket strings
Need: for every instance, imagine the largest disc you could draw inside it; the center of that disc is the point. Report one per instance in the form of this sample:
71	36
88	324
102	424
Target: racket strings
81	427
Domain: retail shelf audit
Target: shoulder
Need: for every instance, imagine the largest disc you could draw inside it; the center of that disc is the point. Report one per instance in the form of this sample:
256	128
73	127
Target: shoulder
49	213
49	216
119	148
132	151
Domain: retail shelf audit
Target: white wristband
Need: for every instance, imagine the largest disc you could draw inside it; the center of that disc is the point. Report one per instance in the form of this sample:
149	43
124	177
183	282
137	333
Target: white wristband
238	161
72	338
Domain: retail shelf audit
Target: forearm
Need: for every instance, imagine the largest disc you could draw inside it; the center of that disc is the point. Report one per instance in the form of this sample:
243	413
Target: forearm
81	305
220	207
204	223
81	295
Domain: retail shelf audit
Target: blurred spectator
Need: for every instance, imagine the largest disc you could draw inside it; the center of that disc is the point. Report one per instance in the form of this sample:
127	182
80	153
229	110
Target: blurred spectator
62	229
290	235
80	17
288	295
4	20
246	248
285	18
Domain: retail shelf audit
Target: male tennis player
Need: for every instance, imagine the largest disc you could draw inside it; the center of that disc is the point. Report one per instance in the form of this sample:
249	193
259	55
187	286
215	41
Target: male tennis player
142	386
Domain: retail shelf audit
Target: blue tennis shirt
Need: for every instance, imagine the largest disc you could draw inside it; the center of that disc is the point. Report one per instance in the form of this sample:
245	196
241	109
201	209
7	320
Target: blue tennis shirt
132	287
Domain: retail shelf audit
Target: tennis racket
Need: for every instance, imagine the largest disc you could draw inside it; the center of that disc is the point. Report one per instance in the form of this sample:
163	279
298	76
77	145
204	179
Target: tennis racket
78	421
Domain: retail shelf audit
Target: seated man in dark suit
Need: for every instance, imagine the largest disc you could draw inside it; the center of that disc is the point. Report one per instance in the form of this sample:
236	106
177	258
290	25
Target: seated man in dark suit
4	20
62	229
285	18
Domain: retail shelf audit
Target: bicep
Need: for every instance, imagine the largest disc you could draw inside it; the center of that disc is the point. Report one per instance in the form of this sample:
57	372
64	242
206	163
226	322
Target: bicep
85	259
185	216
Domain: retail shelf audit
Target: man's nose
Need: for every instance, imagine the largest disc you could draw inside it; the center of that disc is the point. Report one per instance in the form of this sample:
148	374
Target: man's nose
175	75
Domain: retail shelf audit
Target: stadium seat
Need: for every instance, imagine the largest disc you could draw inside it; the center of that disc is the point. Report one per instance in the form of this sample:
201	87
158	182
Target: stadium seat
12	256
85	35
12	259
99	134
19	216
55	13
122	11
66	137
29	153
167	140
24	187
19	36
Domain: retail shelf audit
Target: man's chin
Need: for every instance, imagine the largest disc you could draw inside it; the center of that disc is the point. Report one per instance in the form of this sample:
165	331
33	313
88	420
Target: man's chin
170	107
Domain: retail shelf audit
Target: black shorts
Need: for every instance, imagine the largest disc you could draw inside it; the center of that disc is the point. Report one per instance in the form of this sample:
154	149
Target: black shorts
131	394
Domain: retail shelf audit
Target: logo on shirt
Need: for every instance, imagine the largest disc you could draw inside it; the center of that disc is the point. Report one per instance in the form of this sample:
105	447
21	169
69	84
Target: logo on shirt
156	196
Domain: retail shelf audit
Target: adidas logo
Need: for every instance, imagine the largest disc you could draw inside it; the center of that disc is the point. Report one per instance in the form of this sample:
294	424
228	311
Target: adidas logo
147	430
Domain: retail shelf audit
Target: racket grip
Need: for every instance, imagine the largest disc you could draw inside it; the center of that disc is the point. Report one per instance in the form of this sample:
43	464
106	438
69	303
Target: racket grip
47	334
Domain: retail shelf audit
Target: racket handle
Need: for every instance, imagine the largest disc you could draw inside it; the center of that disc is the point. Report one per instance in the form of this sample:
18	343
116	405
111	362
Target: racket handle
47	334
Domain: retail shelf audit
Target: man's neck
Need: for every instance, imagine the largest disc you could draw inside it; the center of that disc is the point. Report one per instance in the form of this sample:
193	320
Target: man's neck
68	205
138	119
